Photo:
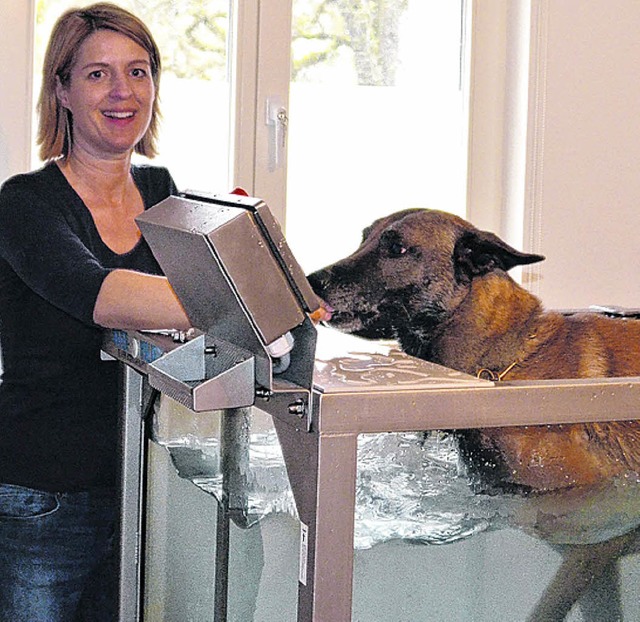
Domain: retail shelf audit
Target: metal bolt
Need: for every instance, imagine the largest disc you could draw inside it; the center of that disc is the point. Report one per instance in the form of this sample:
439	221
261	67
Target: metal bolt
263	393
297	408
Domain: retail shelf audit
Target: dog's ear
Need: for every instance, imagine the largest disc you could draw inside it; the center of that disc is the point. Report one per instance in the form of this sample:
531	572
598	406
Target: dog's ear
479	252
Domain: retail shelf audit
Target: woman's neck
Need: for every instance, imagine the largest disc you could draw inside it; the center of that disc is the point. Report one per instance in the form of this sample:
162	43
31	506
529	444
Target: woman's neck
108	190
99	176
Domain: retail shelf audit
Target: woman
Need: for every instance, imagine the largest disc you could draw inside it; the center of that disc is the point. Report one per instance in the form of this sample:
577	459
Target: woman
71	262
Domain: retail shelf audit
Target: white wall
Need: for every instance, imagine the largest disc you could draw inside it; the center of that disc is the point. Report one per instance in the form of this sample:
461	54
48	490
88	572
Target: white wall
16	80
583	184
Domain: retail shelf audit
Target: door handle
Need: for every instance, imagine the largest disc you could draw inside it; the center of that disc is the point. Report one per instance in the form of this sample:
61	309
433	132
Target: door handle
278	121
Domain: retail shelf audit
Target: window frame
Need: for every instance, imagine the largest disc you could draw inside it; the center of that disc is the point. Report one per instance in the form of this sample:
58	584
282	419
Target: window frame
16	73
261	52
498	116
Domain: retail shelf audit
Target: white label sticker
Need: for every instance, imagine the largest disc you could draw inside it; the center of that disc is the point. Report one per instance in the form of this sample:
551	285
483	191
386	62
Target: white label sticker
304	552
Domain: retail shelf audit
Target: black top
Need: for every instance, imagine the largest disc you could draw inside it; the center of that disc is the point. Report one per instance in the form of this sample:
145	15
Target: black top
58	400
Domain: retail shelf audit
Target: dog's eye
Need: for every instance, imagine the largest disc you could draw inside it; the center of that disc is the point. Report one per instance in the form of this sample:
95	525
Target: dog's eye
391	242
396	249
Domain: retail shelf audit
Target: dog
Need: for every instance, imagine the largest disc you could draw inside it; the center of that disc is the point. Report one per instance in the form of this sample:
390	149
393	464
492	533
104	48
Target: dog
440	287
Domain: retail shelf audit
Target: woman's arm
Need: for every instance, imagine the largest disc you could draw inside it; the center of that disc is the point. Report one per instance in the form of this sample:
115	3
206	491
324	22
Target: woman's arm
134	300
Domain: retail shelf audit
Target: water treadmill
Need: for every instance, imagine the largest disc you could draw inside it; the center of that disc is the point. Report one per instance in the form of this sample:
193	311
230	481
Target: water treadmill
269	415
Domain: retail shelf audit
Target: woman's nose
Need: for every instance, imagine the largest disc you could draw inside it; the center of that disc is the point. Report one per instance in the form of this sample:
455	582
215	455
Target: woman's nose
120	86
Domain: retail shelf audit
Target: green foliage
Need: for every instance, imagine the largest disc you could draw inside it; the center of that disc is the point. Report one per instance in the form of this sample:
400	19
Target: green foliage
323	30
192	35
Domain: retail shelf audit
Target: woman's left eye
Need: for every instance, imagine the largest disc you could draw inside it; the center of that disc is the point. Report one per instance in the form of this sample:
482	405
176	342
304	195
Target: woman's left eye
138	73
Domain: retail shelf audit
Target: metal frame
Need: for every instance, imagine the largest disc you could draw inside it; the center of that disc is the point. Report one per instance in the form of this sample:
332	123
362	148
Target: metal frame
322	464
133	440
320	451
333	388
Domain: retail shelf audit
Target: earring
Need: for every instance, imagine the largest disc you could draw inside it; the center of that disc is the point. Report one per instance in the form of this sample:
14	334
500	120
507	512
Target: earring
67	133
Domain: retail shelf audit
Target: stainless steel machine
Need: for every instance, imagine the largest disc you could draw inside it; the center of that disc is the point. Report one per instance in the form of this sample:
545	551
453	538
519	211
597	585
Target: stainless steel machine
248	300
253	343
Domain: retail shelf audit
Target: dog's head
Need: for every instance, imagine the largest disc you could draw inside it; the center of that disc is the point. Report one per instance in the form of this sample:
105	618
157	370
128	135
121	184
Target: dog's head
411	271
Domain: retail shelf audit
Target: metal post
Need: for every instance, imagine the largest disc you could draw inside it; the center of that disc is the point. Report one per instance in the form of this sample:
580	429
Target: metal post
322	472
234	457
132	462
221	587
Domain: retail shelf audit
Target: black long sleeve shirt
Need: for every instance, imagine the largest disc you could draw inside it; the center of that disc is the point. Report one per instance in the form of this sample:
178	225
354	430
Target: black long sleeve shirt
58	400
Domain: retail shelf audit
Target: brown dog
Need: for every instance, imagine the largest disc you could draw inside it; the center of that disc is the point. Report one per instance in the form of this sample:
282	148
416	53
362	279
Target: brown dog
440	287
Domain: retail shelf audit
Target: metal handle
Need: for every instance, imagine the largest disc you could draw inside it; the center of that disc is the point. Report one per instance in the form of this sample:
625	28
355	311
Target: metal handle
278	120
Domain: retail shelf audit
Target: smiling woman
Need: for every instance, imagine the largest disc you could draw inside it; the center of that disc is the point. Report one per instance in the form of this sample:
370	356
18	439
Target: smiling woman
87	45
196	68
71	262
109	94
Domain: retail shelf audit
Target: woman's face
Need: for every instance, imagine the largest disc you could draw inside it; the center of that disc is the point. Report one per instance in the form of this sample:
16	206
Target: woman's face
110	95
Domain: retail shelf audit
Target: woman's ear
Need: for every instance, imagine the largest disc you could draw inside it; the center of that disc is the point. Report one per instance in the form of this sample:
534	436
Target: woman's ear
61	93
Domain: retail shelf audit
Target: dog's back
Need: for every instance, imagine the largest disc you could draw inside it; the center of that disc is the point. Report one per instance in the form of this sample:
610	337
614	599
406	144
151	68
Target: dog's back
542	458
585	345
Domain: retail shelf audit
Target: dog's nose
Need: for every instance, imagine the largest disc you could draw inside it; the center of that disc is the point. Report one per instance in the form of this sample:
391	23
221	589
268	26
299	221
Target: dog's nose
319	280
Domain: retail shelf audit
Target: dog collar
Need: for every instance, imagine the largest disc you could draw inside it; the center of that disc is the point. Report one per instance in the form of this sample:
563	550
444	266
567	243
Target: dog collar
494	376
497	376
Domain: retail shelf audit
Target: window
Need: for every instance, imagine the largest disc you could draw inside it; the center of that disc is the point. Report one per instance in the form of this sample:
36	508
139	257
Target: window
377	118
376	111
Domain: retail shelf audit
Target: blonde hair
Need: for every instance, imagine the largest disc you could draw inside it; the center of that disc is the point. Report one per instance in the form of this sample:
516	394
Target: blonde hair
69	33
